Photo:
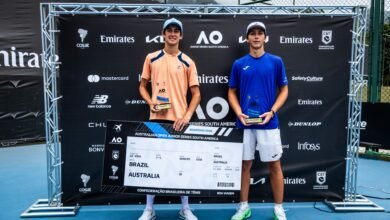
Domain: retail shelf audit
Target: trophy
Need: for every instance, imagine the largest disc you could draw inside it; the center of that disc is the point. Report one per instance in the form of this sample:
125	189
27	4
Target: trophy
253	111
165	104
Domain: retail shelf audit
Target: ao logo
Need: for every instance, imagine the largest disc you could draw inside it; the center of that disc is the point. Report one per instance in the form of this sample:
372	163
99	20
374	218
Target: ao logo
210	109
116	140
215	37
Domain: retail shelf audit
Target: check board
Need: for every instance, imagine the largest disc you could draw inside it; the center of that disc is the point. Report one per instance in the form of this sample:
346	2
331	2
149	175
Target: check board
153	158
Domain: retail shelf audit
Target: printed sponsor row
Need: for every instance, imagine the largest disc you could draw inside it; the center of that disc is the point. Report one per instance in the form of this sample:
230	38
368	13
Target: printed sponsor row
319	184
213	39
203	78
103	101
309	124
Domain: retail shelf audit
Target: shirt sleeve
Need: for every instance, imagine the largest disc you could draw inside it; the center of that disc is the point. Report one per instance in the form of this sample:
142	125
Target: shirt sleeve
233	80
281	75
193	75
146	72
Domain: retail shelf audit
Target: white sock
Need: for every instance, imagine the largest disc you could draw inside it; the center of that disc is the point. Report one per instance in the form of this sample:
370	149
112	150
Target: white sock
150	201
184	202
244	205
278	206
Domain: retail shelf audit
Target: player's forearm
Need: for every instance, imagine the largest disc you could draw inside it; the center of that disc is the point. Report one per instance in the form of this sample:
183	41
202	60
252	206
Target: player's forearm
281	99
233	101
144	92
195	100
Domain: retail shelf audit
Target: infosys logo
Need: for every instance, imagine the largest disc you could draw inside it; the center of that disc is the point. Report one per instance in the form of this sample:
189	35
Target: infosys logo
295	40
307	78
306	146
304	124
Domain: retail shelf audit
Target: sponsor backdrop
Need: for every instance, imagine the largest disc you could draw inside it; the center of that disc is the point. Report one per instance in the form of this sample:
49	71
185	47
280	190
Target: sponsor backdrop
21	83
102	59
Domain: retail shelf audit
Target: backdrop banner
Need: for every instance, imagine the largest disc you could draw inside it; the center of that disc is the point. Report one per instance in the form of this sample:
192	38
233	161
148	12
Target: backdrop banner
22	118
102	59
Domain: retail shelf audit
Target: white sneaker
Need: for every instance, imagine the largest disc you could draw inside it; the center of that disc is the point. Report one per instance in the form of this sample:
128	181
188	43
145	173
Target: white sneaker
242	213
279	214
186	214
148	214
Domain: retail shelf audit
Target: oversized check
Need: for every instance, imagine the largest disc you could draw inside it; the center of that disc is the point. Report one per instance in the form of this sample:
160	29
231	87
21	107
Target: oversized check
152	158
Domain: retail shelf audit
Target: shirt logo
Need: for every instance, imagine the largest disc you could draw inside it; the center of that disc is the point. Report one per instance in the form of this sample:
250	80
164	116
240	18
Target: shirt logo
245	68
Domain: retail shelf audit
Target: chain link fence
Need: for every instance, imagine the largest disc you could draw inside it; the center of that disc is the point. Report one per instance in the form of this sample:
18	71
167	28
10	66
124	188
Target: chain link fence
385	75
385	92
385	85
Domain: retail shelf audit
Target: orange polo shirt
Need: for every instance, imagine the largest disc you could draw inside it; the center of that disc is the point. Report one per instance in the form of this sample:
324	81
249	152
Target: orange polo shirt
170	76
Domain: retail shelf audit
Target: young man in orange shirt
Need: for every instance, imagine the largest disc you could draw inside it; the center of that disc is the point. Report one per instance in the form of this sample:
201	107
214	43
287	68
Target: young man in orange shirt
171	74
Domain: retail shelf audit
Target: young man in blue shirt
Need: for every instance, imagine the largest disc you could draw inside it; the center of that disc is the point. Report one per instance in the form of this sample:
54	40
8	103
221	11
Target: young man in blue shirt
253	84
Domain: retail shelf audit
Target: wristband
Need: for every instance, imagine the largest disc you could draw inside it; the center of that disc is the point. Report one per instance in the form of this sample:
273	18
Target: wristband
273	113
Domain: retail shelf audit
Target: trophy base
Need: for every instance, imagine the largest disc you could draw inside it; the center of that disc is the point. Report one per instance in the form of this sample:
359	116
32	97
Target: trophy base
253	120
163	106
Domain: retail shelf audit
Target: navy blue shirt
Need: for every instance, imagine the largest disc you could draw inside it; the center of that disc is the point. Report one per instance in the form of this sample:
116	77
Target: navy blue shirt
256	81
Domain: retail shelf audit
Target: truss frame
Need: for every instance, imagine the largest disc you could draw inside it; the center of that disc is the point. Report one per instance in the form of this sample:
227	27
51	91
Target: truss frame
49	12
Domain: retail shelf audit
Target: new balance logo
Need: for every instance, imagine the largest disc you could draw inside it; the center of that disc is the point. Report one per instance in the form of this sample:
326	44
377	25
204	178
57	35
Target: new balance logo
99	99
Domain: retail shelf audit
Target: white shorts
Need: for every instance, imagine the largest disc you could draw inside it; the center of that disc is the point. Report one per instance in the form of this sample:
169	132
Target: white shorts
267	142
